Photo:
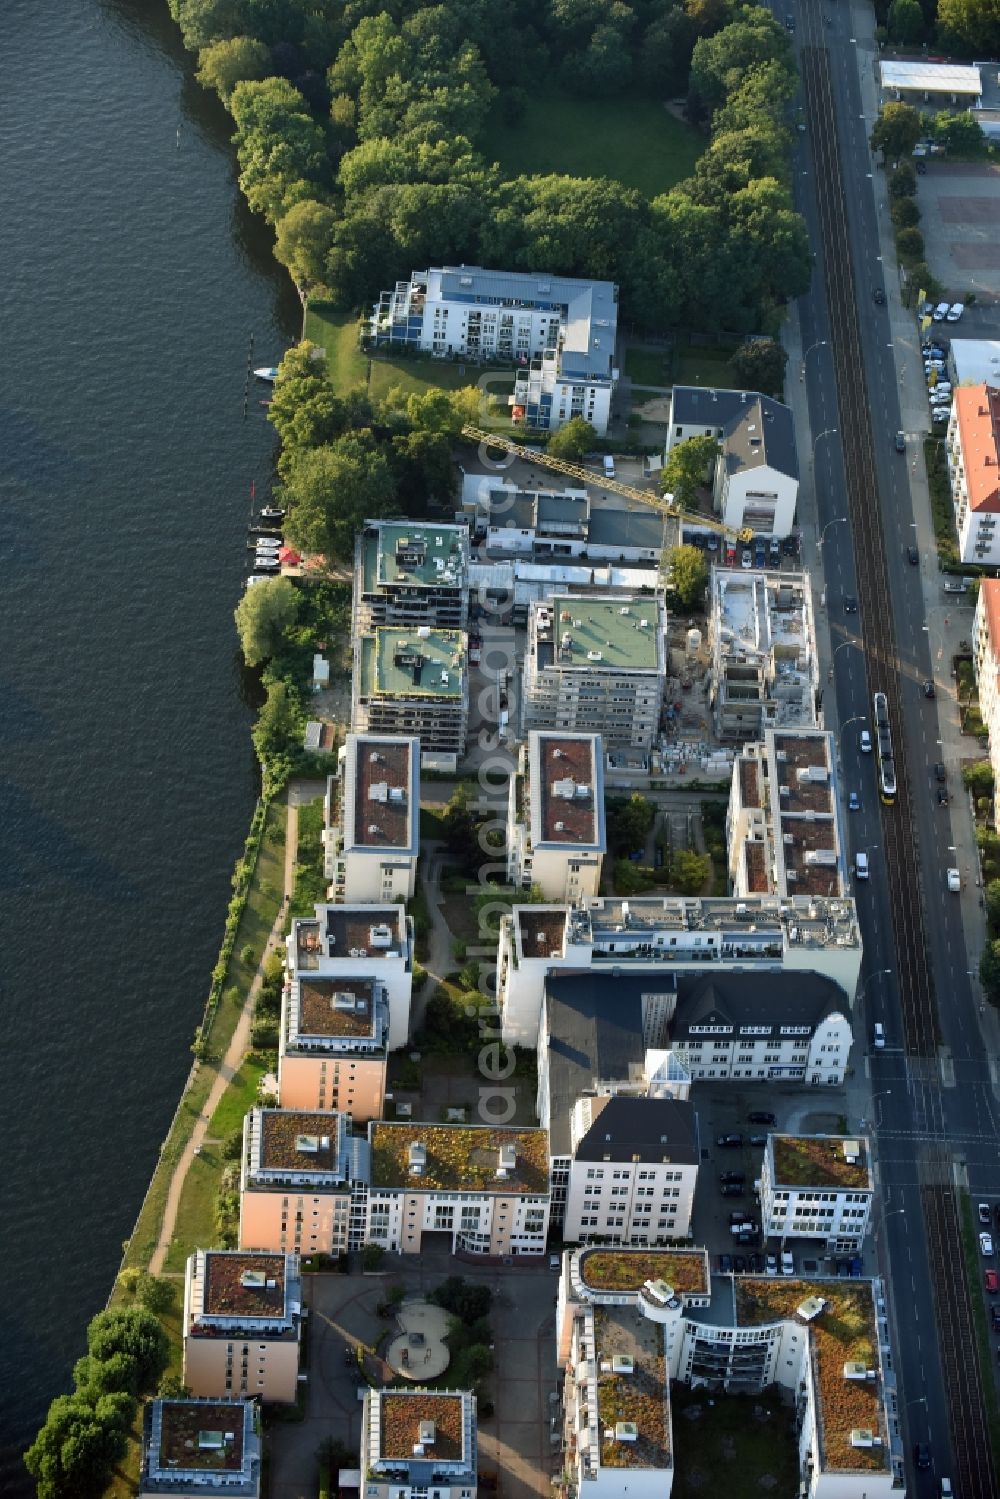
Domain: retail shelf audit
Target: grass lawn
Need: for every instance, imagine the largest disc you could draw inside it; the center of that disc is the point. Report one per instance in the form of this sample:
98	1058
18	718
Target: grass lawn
649	366
337	333
981	1318
633	140
726	1449
704	367
419	375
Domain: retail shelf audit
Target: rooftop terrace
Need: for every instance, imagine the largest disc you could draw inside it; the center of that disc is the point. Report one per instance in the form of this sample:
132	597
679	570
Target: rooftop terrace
364	931
417	555
820	1161
629	1269
542	930
612	634
296	1140
633	1393
565	778
404	1418
413	662
245	1285
336	1007
203	1436
459	1157
378	775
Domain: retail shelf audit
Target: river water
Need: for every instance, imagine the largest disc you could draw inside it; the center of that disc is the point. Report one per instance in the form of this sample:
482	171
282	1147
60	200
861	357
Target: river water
131	279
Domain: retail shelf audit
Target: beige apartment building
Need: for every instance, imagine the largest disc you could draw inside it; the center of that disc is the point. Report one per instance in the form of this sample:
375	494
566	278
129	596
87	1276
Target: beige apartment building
371	840
332	1047
347	943
241	1324
295	1191
555	819
986	663
783	827
415	1440
193	1449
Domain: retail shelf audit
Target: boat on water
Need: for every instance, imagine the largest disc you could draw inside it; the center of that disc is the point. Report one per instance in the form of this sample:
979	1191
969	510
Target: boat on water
269	533
271	513
267	372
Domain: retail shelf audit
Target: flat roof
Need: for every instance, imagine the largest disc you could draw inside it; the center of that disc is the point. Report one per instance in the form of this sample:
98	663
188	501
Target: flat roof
414	553
241	1283
335	1007
976	360
640	1396
686	1270
380	778
542	930
612	634
932	77
977	412
413	662
629	526
200	1436
300	1140
463	1157
364	931
566	788
820	1161
403	1412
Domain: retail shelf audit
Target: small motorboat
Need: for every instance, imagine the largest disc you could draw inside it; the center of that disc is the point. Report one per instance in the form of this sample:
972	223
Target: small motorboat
271	513
262	565
267	372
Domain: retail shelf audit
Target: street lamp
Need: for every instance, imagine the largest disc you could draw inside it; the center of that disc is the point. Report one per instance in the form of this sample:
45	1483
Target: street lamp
819	344
877	1121
843	644
858	718
836	519
878	974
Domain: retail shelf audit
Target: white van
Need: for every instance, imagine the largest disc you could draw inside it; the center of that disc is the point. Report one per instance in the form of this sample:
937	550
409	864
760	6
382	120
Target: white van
609	467
941	311
947	1492
878	1036
956	585
861	866
955	312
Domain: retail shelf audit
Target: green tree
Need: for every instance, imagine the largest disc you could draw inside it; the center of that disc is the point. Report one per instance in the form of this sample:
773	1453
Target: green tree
263	616
75	1452
960	133
302	241
281	149
135	1332
903	181
688	575
629	822
278	729
760	365
690	872
993	905
572	440
904	213
441	413
305	409
978	778
687	468
971	27
989	970
155	1293
897	130
238	59
910	246
906	22
720	62
332	490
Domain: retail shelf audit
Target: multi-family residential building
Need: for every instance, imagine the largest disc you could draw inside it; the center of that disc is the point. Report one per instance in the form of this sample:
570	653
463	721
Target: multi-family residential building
986	663
193	1448
414	1442
485	1189
670	935
973	361
411	573
973	449
630	1322
596	665
705	411
295	1180
555	818
333	1044
757	471
764	665
371	838
347	943
559	331
413	682
241	1325
633	1168
783	829
559	525
817	1187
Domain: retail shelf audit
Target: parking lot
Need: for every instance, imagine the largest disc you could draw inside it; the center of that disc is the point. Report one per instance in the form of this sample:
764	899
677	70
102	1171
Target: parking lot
959	209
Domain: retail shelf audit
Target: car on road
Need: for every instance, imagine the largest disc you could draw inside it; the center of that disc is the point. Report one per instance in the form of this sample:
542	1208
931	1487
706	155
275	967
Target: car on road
928	689
771	1265
729	1141
757	1140
729	1178
922	1456
787	1262
762	1116
954	881
854	802
986	1245
878	1036
942	797
865	740
912	556
850	604
992	1282
878	295
995	1318
940	774
900	442
733	1189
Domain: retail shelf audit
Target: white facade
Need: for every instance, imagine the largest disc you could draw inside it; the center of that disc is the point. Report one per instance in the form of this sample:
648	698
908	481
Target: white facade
986	662
668	935
371	840
973	450
783	825
647	1200
348	941
817	1204
756	474
797	1053
555	817
416	1440
765	673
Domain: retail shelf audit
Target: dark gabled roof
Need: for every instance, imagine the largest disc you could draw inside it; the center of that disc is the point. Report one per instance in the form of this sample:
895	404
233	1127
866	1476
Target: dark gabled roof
707	406
760	433
654	1129
755	999
594	1026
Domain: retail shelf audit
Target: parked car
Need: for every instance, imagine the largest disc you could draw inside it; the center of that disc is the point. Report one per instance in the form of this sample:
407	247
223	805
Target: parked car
995	1317
787	1262
757	1140
912	556
739	1264
729	1141
941	311
900	442
738	1217
984	1213
790	546
762	1116
725	1264
756	1263
986	1245
854	802
733	1189
954	879
992	1281
746	561
727	1178
774	549
771	1265
928	689
940	774
955	312
942	797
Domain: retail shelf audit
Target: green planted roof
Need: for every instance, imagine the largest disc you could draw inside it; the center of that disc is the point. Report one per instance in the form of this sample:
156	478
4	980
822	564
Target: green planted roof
399	662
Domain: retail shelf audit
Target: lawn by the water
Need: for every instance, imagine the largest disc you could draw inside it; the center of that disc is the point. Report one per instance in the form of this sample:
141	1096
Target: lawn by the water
337	333
636	141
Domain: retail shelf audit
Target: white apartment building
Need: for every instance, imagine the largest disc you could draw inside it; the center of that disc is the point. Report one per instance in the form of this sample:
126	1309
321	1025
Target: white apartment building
630	1321
986	663
672	937
371	839
817	1187
783	827
705	411
633	1168
765	672
559	331
559	525
417	1441
410	573
973	361
973	449
485	1189
295	1181
595	665
347	943
413	682
241	1328
332	1045
757	472
194	1448
555	819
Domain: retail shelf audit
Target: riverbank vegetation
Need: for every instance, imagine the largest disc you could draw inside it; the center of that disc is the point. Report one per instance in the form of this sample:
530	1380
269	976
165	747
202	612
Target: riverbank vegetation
377	140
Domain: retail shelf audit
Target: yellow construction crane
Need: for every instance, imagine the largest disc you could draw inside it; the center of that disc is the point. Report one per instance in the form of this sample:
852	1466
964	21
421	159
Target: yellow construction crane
587	476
